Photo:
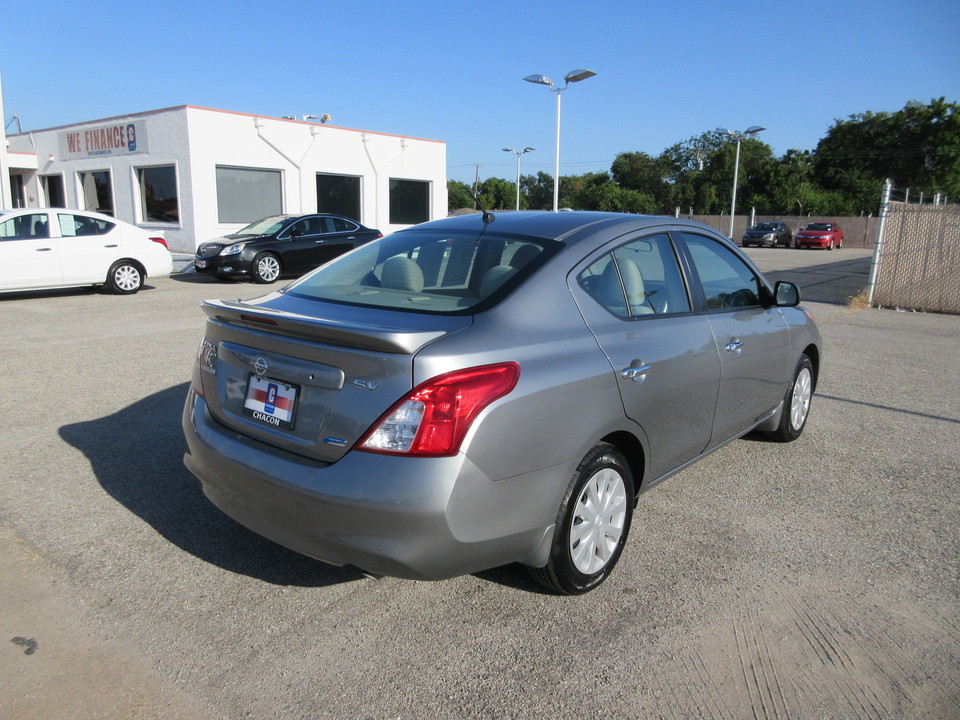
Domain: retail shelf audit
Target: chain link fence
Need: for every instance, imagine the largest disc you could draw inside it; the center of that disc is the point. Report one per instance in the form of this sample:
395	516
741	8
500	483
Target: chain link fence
919	266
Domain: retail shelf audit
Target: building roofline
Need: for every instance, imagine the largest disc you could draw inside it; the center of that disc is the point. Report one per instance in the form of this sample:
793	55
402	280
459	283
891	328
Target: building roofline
215	110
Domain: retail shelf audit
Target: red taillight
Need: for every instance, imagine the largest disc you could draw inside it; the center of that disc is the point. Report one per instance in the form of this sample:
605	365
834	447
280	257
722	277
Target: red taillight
206	364
433	419
161	241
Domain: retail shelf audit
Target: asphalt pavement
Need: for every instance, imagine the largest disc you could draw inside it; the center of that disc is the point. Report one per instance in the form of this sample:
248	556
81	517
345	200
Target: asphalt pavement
816	579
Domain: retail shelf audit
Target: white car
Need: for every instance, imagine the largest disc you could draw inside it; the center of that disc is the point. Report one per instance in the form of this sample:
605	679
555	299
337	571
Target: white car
44	248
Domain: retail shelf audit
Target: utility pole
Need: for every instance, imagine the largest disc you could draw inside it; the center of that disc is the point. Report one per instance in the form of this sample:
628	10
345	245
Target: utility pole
476	187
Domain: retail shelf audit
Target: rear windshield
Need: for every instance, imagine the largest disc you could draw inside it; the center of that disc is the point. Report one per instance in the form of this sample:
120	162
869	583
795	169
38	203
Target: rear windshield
432	271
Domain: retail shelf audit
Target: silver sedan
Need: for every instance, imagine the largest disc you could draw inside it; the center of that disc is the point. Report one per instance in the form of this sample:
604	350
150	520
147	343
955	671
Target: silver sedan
484	390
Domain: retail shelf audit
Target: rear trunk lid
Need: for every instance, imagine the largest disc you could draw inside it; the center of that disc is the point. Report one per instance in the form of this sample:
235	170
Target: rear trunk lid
310	377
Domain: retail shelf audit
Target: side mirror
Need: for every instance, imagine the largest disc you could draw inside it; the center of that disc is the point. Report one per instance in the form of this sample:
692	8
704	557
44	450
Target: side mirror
786	294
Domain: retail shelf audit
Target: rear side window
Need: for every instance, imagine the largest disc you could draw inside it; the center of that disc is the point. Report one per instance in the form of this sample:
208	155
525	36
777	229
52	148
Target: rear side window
77	225
727	281
428	271
638	279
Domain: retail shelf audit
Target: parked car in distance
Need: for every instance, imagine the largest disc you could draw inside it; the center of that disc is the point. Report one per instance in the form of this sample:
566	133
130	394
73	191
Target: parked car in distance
477	391
768	234
61	247
820	235
281	245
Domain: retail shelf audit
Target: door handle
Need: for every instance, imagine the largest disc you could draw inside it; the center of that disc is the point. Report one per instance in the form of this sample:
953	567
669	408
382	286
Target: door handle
636	372
319	242
44	249
735	346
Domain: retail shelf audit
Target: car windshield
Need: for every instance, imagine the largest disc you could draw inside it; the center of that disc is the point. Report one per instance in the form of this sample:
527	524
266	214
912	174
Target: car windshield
265	226
428	270
819	226
764	226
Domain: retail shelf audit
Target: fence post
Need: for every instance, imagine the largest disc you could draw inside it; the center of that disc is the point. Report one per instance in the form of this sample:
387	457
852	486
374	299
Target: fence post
878	244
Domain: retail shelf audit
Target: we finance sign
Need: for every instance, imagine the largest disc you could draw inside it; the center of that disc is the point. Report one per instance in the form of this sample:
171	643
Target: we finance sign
118	139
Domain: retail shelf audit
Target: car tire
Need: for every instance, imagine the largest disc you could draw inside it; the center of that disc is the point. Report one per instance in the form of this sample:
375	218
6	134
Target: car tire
830	246
796	403
125	277
592	524
266	268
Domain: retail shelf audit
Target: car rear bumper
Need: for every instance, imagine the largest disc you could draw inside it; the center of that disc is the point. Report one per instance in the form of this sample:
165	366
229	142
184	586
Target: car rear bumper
417	518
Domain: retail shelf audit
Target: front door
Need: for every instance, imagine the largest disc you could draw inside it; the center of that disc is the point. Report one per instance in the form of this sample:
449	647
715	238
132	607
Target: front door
753	340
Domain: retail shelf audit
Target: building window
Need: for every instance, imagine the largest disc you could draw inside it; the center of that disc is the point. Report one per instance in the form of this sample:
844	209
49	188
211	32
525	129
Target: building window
248	194
409	201
53	190
97	191
339	195
158	194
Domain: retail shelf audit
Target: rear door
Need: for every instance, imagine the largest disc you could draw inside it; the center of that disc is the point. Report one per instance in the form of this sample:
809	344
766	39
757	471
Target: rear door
634	300
88	246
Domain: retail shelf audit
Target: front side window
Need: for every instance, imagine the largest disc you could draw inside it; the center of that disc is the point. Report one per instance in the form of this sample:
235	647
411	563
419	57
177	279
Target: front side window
428	271
245	194
25	227
78	225
409	201
727	281
638	279
158	194
97	191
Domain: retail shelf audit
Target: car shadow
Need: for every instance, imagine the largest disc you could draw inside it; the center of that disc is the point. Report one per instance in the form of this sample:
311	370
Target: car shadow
137	456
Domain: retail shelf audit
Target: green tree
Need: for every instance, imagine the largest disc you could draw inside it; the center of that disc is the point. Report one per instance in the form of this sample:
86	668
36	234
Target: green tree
917	147
458	196
498	194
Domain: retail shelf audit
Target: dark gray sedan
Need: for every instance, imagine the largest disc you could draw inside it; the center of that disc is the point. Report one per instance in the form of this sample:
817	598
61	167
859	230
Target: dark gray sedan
768	234
477	391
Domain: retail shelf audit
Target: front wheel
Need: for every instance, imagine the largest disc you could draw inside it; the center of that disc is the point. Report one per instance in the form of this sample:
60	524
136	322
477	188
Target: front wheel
796	403
592	524
124	278
266	268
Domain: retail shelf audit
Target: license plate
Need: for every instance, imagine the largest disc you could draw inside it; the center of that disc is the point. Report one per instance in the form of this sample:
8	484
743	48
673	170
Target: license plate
272	402
201	264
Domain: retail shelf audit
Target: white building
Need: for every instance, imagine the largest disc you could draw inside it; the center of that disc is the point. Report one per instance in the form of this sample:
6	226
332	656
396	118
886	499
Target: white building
197	173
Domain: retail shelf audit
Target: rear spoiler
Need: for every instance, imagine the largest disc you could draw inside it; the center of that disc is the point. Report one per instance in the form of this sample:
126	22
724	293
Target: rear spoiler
364	336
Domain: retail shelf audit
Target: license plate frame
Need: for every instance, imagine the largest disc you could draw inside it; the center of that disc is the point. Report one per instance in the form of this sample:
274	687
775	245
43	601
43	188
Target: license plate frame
271	402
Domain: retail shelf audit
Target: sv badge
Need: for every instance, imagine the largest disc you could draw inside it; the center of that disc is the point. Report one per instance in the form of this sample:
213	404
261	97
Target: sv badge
366	384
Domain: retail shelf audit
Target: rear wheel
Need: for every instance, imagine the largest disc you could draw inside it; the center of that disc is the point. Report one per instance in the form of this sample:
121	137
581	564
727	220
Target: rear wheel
592	524
266	268
796	403
124	278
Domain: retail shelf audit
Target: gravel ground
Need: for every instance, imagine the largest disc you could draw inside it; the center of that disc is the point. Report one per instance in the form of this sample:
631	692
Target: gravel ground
818	579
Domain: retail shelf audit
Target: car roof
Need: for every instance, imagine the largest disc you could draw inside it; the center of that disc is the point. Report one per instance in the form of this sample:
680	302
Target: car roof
557	225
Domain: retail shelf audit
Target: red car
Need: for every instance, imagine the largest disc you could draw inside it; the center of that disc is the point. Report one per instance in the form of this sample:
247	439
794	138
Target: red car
820	235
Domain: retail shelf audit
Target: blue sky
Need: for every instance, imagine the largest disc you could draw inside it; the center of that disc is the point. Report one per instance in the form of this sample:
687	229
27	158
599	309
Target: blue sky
452	71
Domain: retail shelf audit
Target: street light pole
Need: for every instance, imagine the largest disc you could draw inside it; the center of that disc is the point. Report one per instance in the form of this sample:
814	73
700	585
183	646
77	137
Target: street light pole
518	153
571	77
753	130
